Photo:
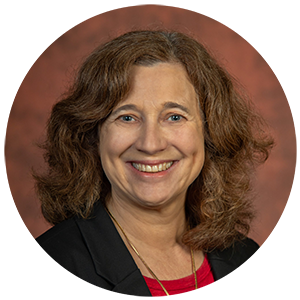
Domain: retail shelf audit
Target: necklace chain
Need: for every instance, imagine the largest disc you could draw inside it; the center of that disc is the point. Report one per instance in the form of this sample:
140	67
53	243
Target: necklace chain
143	261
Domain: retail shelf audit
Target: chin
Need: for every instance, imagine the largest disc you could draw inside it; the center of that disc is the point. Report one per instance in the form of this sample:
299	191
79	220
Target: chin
154	202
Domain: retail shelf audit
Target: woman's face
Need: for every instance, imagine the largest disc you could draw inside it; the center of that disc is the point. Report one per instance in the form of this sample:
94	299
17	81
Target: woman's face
152	145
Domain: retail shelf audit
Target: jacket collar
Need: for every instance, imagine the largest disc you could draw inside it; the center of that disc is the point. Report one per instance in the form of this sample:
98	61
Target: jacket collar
112	260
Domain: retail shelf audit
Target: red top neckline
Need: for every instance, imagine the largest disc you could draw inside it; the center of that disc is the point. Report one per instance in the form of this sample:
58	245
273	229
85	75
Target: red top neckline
182	285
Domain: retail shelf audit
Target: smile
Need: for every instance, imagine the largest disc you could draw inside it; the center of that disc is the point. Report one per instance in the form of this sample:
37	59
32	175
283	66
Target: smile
153	168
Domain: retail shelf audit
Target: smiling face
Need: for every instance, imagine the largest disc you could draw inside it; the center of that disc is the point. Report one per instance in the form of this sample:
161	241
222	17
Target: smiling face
152	145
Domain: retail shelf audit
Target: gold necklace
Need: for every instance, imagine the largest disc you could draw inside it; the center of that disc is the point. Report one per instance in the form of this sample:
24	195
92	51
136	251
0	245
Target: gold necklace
143	261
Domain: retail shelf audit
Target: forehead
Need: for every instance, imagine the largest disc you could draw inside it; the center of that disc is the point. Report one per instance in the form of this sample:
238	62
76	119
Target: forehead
165	76
162	82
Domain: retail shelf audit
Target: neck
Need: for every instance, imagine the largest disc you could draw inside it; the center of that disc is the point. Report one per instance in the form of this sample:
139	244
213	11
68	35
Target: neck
157	228
156	234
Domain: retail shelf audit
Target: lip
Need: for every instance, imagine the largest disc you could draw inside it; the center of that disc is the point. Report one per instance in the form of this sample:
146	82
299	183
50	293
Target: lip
152	163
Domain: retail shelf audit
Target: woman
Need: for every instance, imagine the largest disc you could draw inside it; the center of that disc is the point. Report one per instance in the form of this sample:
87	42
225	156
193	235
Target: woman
150	156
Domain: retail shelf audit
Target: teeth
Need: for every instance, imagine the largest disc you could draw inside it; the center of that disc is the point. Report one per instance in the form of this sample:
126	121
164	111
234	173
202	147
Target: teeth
168	165
153	169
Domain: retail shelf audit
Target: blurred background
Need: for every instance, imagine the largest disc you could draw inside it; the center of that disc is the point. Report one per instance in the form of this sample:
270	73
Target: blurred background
52	72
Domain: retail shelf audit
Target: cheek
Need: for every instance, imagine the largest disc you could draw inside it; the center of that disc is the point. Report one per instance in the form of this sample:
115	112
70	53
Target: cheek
112	145
190	141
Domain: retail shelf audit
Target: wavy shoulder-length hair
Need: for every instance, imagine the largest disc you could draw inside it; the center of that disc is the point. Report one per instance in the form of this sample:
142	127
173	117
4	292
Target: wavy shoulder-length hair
218	206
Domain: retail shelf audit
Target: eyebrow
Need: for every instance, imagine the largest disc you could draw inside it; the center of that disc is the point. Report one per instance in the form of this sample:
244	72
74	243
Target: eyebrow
166	105
176	105
124	107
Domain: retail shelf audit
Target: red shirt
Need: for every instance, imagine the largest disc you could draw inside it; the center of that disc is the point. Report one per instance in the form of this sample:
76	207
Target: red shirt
186	284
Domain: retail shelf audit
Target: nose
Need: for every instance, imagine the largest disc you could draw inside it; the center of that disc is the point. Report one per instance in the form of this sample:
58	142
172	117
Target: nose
151	139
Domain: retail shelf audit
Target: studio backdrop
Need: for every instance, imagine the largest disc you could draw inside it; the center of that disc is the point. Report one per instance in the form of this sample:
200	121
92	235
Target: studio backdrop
53	71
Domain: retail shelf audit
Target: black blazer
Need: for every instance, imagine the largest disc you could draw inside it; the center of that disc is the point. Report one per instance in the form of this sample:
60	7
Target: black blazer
94	251
88	258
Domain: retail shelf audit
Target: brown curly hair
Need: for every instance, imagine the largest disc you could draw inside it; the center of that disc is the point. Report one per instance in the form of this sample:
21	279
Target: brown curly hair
218	206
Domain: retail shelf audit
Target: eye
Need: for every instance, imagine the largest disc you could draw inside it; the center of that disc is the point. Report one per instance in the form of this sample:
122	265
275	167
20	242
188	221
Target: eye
127	118
175	118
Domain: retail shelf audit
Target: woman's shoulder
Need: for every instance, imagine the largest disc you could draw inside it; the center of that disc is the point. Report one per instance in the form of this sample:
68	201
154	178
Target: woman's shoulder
67	245
241	250
234	268
59	231
63	242
66	232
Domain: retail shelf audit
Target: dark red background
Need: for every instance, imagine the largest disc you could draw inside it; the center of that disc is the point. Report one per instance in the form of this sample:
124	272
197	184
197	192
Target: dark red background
50	75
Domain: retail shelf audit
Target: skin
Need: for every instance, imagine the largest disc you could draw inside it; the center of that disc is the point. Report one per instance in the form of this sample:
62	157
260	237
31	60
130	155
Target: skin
159	121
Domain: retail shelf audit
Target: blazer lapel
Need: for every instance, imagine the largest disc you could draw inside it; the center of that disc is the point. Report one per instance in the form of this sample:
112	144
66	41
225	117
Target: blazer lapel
112	260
